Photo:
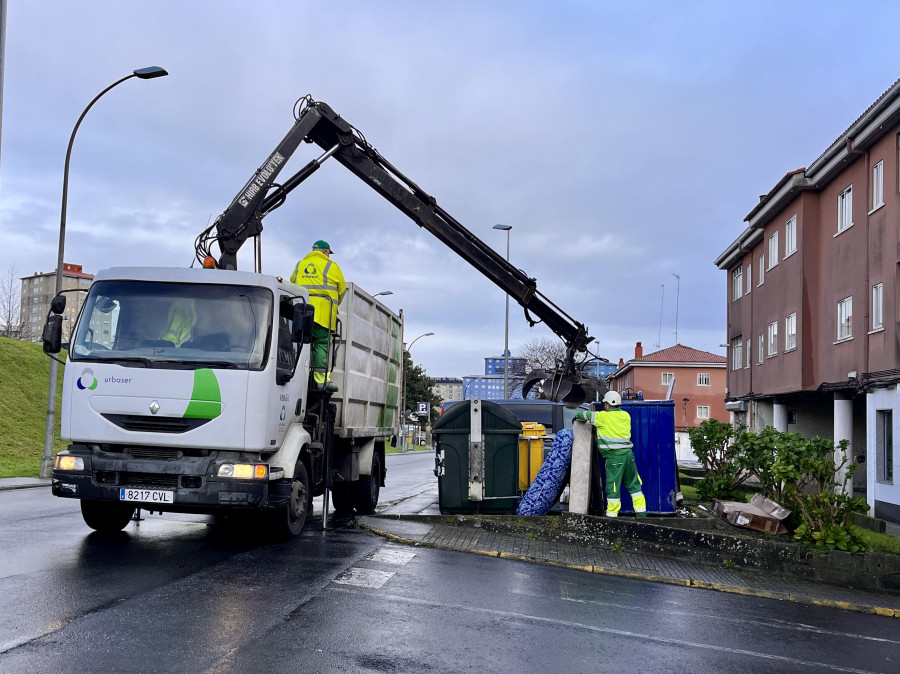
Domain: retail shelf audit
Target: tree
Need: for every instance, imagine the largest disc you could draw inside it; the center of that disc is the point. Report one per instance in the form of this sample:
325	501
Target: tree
418	387
12	322
543	353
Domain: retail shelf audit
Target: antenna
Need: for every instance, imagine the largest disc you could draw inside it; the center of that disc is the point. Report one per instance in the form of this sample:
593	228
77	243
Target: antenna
662	296
677	293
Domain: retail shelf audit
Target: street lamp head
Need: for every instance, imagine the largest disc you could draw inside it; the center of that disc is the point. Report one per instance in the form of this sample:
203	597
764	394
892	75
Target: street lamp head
384	292
505	228
428	334
150	72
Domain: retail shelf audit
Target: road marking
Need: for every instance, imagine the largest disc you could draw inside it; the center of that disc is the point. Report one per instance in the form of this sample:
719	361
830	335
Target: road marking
817	666
364	577
392	556
774	623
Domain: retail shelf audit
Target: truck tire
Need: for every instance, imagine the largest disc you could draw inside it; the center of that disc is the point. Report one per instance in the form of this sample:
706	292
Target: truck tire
367	489
288	521
106	517
342	497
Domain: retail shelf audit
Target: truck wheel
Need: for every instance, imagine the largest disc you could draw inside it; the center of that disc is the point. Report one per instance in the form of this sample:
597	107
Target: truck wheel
342	497
366	491
106	517
290	520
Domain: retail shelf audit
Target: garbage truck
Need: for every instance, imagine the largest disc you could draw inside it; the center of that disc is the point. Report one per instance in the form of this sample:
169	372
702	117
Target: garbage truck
223	417
188	390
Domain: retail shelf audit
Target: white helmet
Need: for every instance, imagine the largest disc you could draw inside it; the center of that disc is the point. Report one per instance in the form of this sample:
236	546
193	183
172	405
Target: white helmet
613	398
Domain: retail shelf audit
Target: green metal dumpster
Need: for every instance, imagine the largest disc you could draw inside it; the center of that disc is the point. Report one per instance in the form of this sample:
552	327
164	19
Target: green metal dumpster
477	458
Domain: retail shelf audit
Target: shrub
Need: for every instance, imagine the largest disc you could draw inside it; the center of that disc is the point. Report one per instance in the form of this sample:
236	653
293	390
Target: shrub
809	475
712	443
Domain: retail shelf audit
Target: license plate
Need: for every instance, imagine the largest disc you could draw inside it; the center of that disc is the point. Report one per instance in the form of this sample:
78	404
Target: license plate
147	495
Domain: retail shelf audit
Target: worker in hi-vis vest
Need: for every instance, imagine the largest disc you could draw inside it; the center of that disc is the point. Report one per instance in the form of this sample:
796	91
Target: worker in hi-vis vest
325	282
180	322
613	427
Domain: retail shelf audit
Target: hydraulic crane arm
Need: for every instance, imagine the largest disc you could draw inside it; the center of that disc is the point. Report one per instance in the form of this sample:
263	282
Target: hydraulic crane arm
317	123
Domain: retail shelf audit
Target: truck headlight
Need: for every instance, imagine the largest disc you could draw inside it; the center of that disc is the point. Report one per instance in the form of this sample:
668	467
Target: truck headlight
69	463
244	471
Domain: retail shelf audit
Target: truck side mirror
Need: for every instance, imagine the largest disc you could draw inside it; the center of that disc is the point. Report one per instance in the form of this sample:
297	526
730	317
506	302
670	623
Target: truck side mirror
302	325
58	304
52	335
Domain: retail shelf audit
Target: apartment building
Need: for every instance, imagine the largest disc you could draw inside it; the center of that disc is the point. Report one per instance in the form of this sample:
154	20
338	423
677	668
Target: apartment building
693	379
448	388
813	293
37	291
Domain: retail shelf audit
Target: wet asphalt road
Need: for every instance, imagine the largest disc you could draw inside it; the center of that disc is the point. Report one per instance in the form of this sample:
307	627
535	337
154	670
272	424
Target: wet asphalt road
176	595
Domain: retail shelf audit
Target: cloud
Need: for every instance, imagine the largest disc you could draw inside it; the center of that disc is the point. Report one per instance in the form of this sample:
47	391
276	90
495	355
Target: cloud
623	143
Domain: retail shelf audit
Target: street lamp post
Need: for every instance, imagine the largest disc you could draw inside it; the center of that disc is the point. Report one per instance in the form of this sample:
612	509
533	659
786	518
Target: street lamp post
47	460
506	228
403	397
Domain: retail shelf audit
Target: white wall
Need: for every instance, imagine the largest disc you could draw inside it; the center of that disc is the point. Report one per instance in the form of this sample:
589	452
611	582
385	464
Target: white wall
882	399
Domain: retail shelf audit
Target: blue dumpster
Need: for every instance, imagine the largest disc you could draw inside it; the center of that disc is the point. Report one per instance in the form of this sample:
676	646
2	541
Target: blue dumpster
653	436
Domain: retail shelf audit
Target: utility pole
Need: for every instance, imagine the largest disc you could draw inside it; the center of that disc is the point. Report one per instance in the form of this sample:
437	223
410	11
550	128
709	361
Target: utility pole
662	297
677	293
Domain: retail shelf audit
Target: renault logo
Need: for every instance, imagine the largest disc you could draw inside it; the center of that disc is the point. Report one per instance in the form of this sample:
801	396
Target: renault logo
154	407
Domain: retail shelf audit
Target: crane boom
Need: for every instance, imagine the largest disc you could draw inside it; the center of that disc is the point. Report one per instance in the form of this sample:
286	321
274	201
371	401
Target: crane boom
315	122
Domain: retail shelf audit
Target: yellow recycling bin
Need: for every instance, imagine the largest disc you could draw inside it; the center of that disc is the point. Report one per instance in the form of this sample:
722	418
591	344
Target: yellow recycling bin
531	452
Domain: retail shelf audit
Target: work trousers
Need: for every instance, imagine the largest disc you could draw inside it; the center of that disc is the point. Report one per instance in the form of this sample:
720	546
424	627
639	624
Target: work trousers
321	341
622	471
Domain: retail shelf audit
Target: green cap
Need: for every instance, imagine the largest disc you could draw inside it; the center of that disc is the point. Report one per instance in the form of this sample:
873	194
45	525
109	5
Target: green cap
322	245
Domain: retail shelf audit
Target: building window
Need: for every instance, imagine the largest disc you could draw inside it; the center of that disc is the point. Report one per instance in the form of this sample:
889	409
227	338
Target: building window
737	283
703	379
878	185
749	280
762	269
773	249
772	339
737	353
845	209
877	304
703	410
884	446
761	348
790	331
667	377
747	364
845	318
790	236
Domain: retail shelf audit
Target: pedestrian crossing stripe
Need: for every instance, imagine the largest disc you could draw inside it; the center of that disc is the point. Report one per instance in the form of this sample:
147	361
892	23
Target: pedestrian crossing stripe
371	578
391	556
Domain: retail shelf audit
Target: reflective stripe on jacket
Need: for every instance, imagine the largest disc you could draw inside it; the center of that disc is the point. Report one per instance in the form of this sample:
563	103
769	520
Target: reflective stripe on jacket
325	283
613	431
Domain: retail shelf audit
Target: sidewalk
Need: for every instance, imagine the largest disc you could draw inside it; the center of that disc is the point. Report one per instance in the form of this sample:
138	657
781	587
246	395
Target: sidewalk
447	534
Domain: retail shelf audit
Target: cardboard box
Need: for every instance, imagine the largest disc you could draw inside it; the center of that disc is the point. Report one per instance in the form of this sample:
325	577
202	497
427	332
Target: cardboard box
761	514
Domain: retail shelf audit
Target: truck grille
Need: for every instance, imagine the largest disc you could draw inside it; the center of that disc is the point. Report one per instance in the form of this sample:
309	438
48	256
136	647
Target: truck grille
149	480
155	453
138	423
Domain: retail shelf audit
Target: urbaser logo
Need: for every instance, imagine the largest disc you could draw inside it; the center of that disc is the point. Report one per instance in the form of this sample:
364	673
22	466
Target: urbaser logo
87	380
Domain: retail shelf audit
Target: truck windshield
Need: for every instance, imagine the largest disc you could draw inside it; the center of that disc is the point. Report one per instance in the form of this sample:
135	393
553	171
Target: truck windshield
177	325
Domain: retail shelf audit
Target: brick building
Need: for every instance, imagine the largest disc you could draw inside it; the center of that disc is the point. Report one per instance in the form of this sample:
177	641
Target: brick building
813	294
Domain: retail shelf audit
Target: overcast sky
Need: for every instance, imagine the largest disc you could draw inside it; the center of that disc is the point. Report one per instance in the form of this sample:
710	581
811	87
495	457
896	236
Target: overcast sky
623	142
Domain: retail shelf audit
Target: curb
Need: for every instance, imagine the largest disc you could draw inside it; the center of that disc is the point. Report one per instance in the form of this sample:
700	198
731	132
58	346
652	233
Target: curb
10	486
683	582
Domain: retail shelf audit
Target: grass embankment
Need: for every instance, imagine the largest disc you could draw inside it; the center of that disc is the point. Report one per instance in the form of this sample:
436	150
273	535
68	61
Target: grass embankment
24	374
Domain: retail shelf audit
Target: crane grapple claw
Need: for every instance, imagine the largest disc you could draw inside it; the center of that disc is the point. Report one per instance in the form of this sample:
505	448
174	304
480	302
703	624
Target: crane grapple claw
557	385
